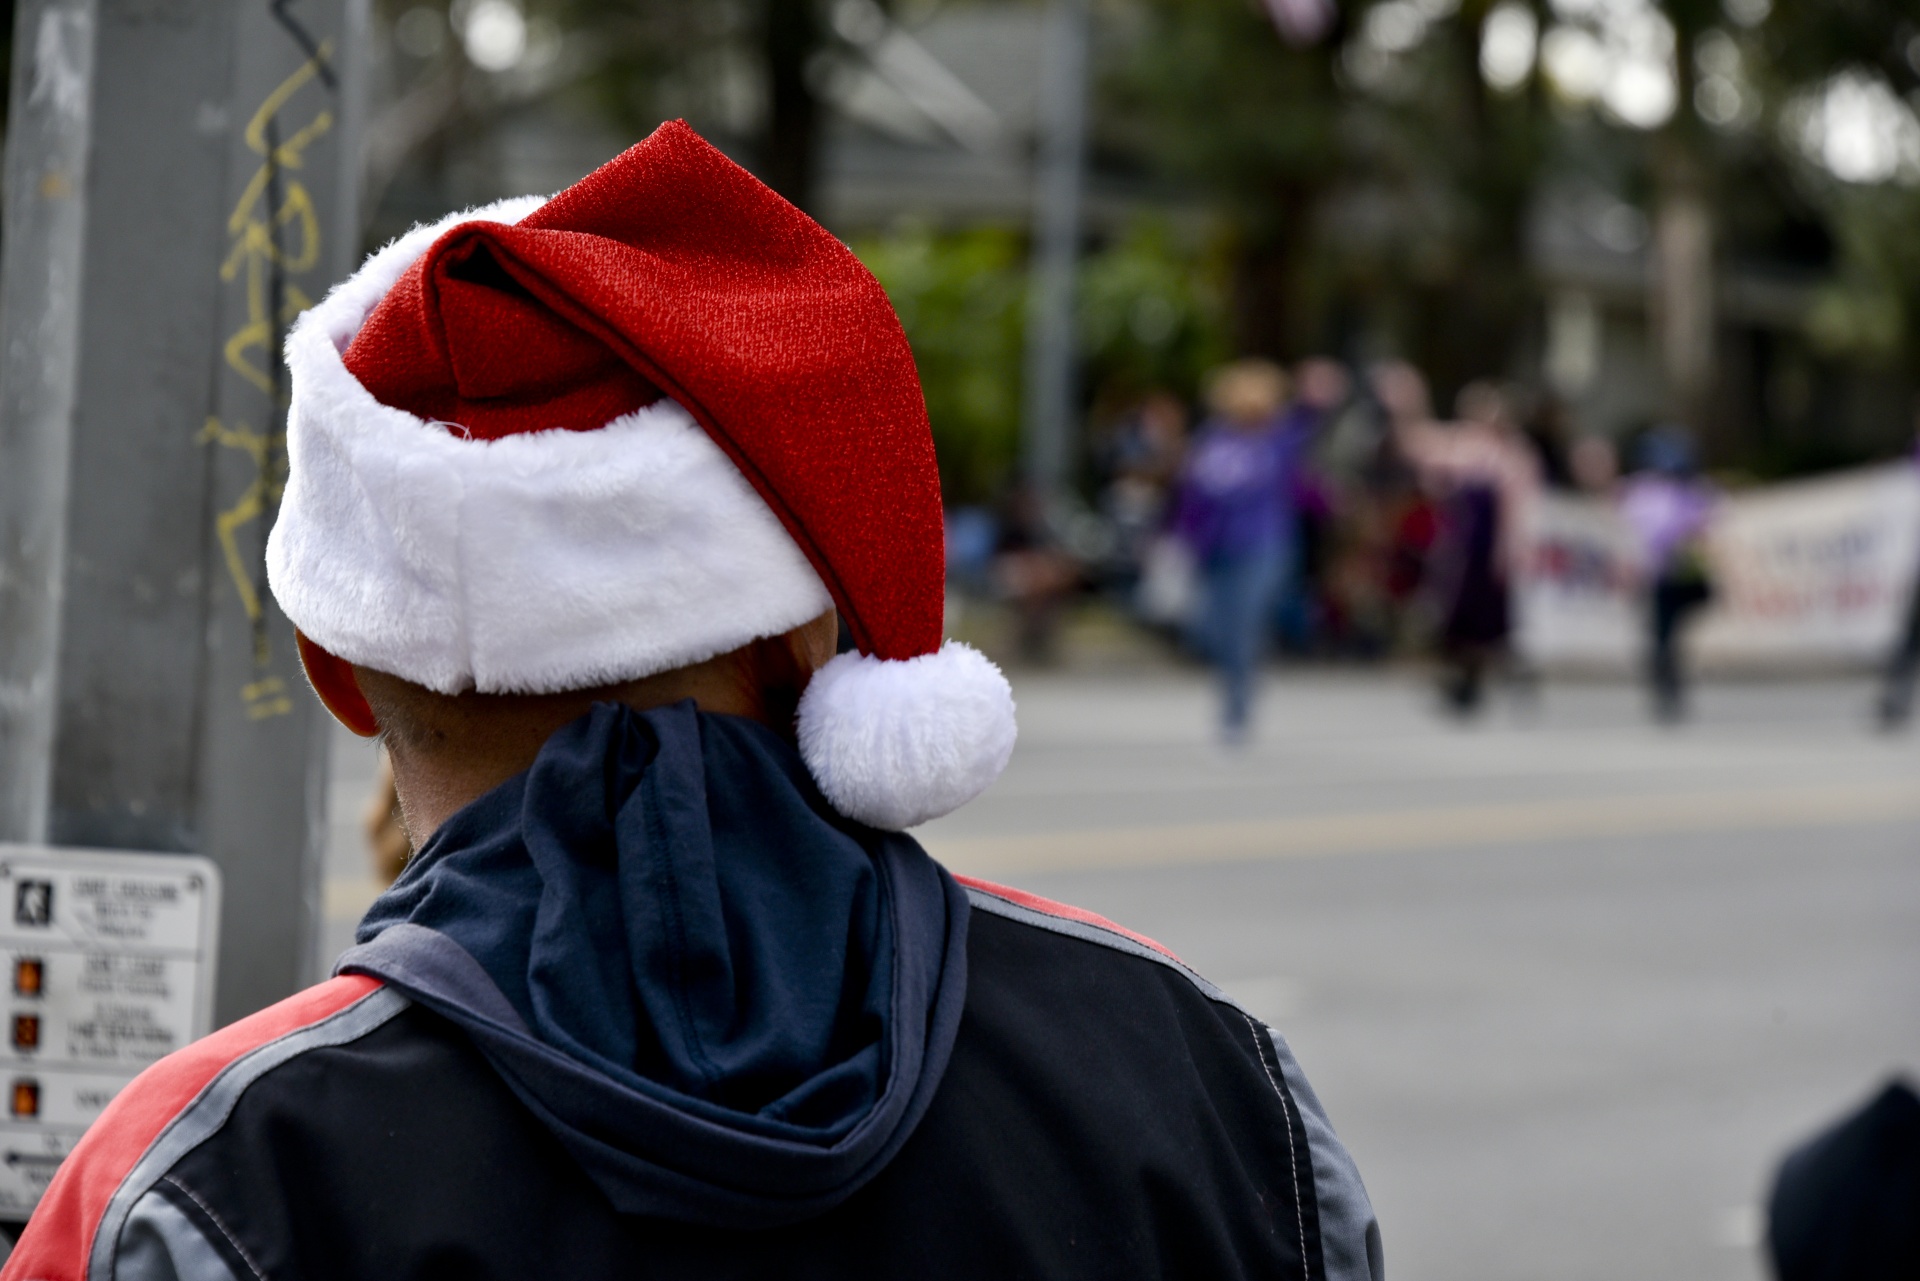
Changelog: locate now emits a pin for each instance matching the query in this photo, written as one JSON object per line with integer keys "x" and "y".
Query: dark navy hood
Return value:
{"x": 729, "y": 1003}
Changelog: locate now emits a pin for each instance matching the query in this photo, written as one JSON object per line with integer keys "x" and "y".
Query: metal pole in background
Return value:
{"x": 288, "y": 229}
{"x": 1058, "y": 181}
{"x": 214, "y": 203}
{"x": 39, "y": 336}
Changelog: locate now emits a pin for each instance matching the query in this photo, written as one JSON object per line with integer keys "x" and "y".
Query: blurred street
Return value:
{"x": 1568, "y": 983}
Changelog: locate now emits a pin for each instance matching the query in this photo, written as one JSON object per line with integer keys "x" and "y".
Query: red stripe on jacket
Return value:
{"x": 59, "y": 1238}
{"x": 1065, "y": 911}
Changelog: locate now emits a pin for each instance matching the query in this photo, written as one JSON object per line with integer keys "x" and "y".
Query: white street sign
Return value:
{"x": 109, "y": 960}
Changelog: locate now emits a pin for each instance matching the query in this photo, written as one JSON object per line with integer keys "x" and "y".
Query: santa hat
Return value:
{"x": 547, "y": 445}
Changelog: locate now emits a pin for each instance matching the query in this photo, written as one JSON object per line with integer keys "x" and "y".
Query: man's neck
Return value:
{"x": 450, "y": 750}
{"x": 439, "y": 773}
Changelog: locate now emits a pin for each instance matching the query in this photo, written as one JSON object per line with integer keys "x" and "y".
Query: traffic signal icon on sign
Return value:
{"x": 26, "y": 1031}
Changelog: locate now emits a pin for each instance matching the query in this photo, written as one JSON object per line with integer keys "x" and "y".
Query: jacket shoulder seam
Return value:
{"x": 218, "y": 1222}
{"x": 1293, "y": 1152}
{"x": 208, "y": 1111}
{"x": 1089, "y": 928}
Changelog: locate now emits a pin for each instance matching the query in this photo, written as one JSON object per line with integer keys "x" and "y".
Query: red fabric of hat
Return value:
{"x": 672, "y": 270}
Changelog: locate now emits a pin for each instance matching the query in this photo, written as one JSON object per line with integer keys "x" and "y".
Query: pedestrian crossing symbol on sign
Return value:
{"x": 33, "y": 903}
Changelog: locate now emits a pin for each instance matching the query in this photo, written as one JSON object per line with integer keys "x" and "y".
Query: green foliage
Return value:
{"x": 961, "y": 298}
{"x": 1802, "y": 41}
{"x": 1211, "y": 94}
{"x": 1865, "y": 313}
{"x": 1377, "y": 191}
{"x": 1152, "y": 314}
{"x": 1206, "y": 97}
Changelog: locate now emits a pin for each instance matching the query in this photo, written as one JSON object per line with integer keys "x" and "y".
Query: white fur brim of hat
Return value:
{"x": 563, "y": 560}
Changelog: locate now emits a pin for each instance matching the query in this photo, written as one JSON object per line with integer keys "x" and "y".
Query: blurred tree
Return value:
{"x": 1803, "y": 42}
{"x": 1840, "y": 82}
{"x": 790, "y": 139}
{"x": 738, "y": 69}
{"x": 1376, "y": 171}
{"x": 1153, "y": 315}
{"x": 1384, "y": 184}
{"x": 1458, "y": 164}
{"x": 961, "y": 298}
{"x": 1209, "y": 95}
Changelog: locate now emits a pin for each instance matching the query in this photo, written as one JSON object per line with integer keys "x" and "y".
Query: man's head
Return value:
{"x": 553, "y": 447}
{"x": 448, "y": 749}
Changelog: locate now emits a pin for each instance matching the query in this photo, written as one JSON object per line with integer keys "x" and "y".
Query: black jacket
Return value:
{"x": 653, "y": 1009}
{"x": 1105, "y": 1114}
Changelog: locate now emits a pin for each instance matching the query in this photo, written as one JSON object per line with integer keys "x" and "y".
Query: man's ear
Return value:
{"x": 333, "y": 680}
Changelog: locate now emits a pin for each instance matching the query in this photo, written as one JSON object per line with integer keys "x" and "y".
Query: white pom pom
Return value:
{"x": 895, "y": 743}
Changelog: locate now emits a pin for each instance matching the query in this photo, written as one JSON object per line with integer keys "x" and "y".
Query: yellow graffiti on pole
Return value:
{"x": 274, "y": 234}
{"x": 268, "y": 454}
{"x": 255, "y": 229}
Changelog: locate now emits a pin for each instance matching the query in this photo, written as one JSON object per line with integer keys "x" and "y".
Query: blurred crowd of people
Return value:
{"x": 1333, "y": 513}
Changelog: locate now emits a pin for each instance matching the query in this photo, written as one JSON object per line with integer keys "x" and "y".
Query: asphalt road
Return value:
{"x": 1568, "y": 983}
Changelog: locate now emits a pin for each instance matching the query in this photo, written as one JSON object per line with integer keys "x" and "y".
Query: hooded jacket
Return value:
{"x": 653, "y": 1009}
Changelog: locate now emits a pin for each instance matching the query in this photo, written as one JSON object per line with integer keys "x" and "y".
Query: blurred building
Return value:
{"x": 931, "y": 119}
{"x": 1596, "y": 346}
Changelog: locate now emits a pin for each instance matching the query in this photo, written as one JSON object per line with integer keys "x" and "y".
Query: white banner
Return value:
{"x": 1806, "y": 573}
{"x": 1575, "y": 603}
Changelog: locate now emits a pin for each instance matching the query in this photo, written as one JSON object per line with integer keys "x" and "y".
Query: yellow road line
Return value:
{"x": 1827, "y": 805}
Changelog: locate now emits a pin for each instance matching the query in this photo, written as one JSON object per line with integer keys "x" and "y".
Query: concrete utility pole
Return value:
{"x": 1058, "y": 182}
{"x": 180, "y": 183}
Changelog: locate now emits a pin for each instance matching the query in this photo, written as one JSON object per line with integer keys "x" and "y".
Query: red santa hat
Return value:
{"x": 547, "y": 445}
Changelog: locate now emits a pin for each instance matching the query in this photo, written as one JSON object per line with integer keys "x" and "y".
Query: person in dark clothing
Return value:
{"x": 1896, "y": 697}
{"x": 1896, "y": 694}
{"x": 1483, "y": 478}
{"x": 667, "y": 990}
{"x": 1846, "y": 1204}
{"x": 1477, "y": 616}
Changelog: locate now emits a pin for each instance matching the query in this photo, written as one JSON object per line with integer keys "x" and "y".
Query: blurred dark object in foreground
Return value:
{"x": 1846, "y": 1205}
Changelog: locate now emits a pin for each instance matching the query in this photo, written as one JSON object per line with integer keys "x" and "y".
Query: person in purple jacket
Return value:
{"x": 1667, "y": 506}
{"x": 1235, "y": 513}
